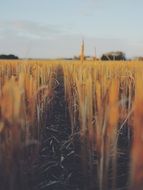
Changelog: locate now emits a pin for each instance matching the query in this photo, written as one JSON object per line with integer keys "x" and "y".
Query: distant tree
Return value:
{"x": 118, "y": 55}
{"x": 10, "y": 56}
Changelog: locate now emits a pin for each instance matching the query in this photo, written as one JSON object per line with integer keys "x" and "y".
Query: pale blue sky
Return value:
{"x": 54, "y": 28}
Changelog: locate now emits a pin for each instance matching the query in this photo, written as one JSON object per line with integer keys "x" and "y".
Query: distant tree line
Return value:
{"x": 10, "y": 56}
{"x": 138, "y": 58}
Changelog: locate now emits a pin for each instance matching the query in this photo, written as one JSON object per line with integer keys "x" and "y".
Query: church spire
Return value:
{"x": 82, "y": 51}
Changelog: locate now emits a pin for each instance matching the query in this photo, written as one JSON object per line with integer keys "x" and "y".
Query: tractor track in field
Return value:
{"x": 58, "y": 164}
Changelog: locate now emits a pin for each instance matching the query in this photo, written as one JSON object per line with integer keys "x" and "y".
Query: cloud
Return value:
{"x": 27, "y": 38}
{"x": 36, "y": 40}
{"x": 29, "y": 29}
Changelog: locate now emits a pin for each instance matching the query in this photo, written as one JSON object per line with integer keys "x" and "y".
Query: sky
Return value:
{"x": 55, "y": 28}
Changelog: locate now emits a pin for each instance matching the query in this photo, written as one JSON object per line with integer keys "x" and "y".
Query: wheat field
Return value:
{"x": 105, "y": 104}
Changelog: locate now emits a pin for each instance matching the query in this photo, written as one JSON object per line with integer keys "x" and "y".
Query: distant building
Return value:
{"x": 82, "y": 55}
{"x": 117, "y": 55}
